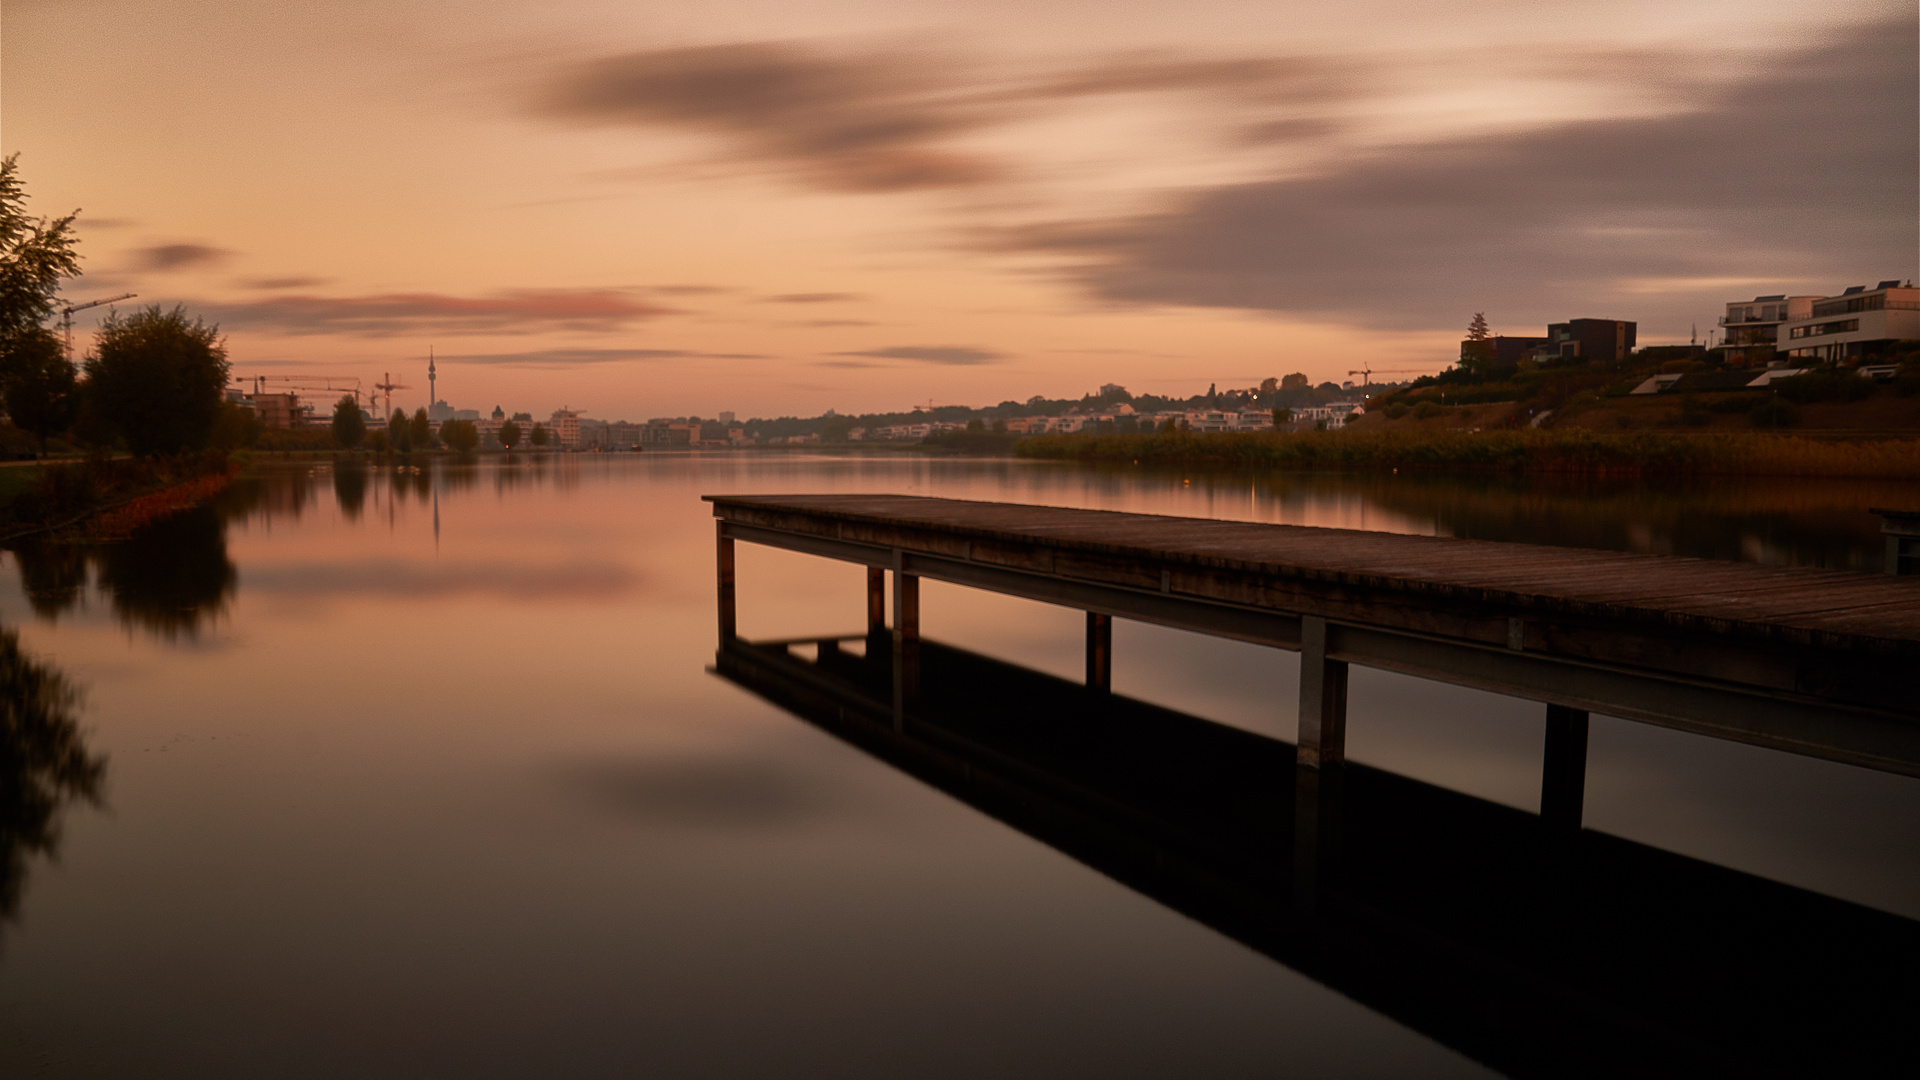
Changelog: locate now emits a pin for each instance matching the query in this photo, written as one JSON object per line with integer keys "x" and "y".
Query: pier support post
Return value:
{"x": 877, "y": 640}
{"x": 1099, "y": 653}
{"x": 1563, "y": 781}
{"x": 723, "y": 559}
{"x": 1320, "y": 750}
{"x": 1323, "y": 699}
{"x": 906, "y": 643}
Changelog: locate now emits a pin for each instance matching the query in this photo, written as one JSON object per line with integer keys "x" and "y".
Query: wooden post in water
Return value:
{"x": 724, "y": 563}
{"x": 1100, "y": 653}
{"x": 1563, "y": 780}
{"x": 877, "y": 641}
{"x": 1323, "y": 699}
{"x": 1320, "y": 750}
{"x": 906, "y": 643}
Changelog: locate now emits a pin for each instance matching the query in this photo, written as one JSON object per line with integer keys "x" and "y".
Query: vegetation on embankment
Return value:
{"x": 1512, "y": 451}
{"x": 130, "y": 491}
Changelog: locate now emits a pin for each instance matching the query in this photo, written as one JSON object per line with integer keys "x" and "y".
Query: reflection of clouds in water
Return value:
{"x": 739, "y": 792}
{"x": 394, "y": 577}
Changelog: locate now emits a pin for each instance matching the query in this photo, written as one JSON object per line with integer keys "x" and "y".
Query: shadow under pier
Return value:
{"x": 1538, "y": 950}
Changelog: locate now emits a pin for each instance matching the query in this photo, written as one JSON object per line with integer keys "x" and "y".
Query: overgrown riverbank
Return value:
{"x": 1520, "y": 451}
{"x": 117, "y": 494}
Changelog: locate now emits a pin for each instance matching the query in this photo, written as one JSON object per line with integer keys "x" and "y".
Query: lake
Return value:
{"x": 420, "y": 770}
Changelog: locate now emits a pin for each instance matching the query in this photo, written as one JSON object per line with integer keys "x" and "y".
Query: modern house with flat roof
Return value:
{"x": 1858, "y": 322}
{"x": 1753, "y": 327}
{"x": 1595, "y": 341}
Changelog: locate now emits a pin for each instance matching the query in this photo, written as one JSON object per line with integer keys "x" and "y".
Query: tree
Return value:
{"x": 460, "y": 436}
{"x": 38, "y": 383}
{"x": 1477, "y": 329}
{"x": 157, "y": 379}
{"x": 539, "y": 436}
{"x": 1282, "y": 415}
{"x": 349, "y": 426}
{"x": 421, "y": 429}
{"x": 509, "y": 435}
{"x": 1296, "y": 381}
{"x": 1268, "y": 386}
{"x": 34, "y": 255}
{"x": 400, "y": 433}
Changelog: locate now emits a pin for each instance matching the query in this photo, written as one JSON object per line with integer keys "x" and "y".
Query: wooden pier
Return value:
{"x": 1815, "y": 662}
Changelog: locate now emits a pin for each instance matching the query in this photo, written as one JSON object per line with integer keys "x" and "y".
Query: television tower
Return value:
{"x": 433, "y": 396}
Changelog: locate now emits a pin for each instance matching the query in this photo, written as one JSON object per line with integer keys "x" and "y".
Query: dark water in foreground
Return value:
{"x": 422, "y": 772}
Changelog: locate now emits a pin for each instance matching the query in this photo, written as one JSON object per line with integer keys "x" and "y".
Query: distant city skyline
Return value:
{"x": 645, "y": 210}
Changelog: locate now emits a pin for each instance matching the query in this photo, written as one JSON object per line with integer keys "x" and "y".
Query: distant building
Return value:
{"x": 278, "y": 410}
{"x": 1753, "y": 327}
{"x": 565, "y": 427}
{"x": 1859, "y": 322}
{"x": 1596, "y": 341}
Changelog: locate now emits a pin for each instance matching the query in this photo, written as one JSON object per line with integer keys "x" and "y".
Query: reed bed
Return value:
{"x": 1520, "y": 451}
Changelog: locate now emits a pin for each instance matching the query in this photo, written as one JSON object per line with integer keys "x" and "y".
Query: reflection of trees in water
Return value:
{"x": 1802, "y": 522}
{"x": 44, "y": 764}
{"x": 350, "y": 487}
{"x": 459, "y": 474}
{"x": 170, "y": 577}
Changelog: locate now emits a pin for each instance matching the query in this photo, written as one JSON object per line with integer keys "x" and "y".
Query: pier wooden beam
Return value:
{"x": 1563, "y": 780}
{"x": 1099, "y": 652}
{"x": 1323, "y": 700}
{"x": 906, "y": 642}
{"x": 723, "y": 562}
{"x": 878, "y": 643}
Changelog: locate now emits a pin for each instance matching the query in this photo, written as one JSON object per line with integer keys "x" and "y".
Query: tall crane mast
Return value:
{"x": 66, "y": 317}
{"x": 388, "y": 386}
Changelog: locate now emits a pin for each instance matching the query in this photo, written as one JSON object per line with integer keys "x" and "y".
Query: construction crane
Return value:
{"x": 388, "y": 387}
{"x": 1367, "y": 373}
{"x": 66, "y": 316}
{"x": 330, "y": 384}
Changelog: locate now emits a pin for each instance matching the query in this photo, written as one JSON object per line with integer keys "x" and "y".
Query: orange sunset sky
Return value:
{"x": 643, "y": 209}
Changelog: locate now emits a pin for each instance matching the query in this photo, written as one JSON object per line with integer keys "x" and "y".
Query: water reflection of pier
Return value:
{"x": 1539, "y": 951}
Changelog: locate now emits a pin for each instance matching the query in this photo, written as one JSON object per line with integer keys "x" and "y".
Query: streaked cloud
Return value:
{"x": 580, "y": 357}
{"x": 161, "y": 258}
{"x": 815, "y": 298}
{"x": 385, "y": 314}
{"x": 1805, "y": 173}
{"x": 930, "y": 354}
{"x": 282, "y": 283}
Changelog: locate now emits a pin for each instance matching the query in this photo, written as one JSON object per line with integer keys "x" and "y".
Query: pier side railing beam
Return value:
{"x": 1099, "y": 653}
{"x": 906, "y": 642}
{"x": 1563, "y": 780}
{"x": 723, "y": 560}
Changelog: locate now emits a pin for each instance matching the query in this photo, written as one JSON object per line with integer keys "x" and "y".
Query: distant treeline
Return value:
{"x": 1519, "y": 451}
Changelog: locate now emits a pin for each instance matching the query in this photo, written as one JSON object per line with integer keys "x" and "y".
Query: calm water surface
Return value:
{"x": 419, "y": 772}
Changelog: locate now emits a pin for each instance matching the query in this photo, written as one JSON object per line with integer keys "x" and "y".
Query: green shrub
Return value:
{"x": 1774, "y": 413}
{"x": 1426, "y": 410}
{"x": 1399, "y": 409}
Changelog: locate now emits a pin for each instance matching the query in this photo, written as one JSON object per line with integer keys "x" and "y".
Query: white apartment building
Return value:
{"x": 1839, "y": 327}
{"x": 1753, "y": 327}
{"x": 565, "y": 427}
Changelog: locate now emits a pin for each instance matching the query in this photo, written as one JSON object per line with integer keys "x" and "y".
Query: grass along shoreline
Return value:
{"x": 1516, "y": 451}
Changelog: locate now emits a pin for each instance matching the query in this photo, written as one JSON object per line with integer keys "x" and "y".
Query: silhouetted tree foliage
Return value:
{"x": 350, "y": 486}
{"x": 158, "y": 379}
{"x": 400, "y": 433}
{"x": 237, "y": 426}
{"x": 539, "y": 436}
{"x": 38, "y": 382}
{"x": 35, "y": 254}
{"x": 509, "y": 435}
{"x": 1477, "y": 330}
{"x": 349, "y": 425}
{"x": 44, "y": 763}
{"x": 420, "y": 429}
{"x": 460, "y": 436}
